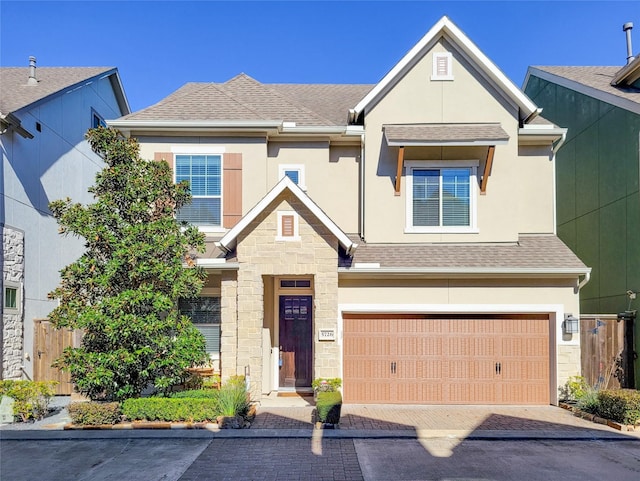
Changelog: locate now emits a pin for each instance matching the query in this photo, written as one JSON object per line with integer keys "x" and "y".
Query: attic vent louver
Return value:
{"x": 32, "y": 72}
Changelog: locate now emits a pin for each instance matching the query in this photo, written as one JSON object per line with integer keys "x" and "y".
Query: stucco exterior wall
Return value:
{"x": 12, "y": 320}
{"x": 55, "y": 164}
{"x": 467, "y": 98}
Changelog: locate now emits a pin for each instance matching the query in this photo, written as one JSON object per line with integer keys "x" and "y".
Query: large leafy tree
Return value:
{"x": 123, "y": 292}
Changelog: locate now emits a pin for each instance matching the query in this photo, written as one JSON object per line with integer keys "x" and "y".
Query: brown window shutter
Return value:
{"x": 287, "y": 226}
{"x": 168, "y": 156}
{"x": 232, "y": 190}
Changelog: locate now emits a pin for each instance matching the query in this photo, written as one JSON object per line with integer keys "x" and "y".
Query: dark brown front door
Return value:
{"x": 295, "y": 341}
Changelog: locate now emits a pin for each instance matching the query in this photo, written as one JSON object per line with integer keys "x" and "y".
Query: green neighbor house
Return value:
{"x": 597, "y": 177}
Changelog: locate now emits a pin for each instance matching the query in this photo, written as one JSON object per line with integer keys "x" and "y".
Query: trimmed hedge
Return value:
{"x": 196, "y": 394}
{"x": 31, "y": 397}
{"x": 170, "y": 409}
{"x": 621, "y": 405}
{"x": 328, "y": 407}
{"x": 94, "y": 413}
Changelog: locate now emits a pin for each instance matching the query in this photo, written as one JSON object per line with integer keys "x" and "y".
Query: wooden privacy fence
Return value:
{"x": 48, "y": 345}
{"x": 602, "y": 345}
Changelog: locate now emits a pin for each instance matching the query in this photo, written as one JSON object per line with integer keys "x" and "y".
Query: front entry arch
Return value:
{"x": 296, "y": 341}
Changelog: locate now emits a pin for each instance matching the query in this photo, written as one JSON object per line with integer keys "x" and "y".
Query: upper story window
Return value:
{"x": 204, "y": 174}
{"x": 295, "y": 172}
{"x": 442, "y": 66}
{"x": 441, "y": 199}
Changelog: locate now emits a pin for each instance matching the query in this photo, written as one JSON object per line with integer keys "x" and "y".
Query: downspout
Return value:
{"x": 362, "y": 171}
{"x": 557, "y": 146}
{"x": 583, "y": 282}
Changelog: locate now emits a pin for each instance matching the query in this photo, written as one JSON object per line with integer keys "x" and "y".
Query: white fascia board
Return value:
{"x": 167, "y": 125}
{"x": 228, "y": 241}
{"x": 213, "y": 264}
{"x": 535, "y": 134}
{"x": 463, "y": 271}
{"x": 607, "y": 97}
{"x": 314, "y": 130}
{"x": 447, "y": 308}
{"x": 446, "y": 27}
{"x": 441, "y": 143}
{"x": 121, "y": 96}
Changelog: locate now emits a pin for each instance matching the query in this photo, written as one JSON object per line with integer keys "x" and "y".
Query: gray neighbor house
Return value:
{"x": 44, "y": 114}
{"x": 597, "y": 178}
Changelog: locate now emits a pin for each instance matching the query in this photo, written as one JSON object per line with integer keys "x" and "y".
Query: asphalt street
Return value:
{"x": 316, "y": 458}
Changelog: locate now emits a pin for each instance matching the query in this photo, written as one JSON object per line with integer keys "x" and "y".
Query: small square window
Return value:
{"x": 97, "y": 120}
{"x": 11, "y": 298}
{"x": 295, "y": 172}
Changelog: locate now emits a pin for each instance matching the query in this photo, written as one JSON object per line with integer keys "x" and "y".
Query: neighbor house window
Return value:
{"x": 204, "y": 174}
{"x": 294, "y": 172}
{"x": 204, "y": 313}
{"x": 442, "y": 66}
{"x": 97, "y": 120}
{"x": 441, "y": 199}
{"x": 11, "y": 298}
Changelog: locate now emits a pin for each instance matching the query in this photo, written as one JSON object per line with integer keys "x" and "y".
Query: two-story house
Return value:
{"x": 44, "y": 114}
{"x": 400, "y": 236}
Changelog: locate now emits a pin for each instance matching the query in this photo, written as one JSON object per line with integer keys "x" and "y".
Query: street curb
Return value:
{"x": 479, "y": 435}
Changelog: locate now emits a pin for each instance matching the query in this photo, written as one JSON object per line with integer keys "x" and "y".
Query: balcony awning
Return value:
{"x": 422, "y": 135}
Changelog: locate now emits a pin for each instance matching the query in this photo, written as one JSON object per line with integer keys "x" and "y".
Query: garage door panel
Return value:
{"x": 495, "y": 360}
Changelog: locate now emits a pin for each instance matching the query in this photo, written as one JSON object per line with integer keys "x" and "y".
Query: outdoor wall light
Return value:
{"x": 571, "y": 324}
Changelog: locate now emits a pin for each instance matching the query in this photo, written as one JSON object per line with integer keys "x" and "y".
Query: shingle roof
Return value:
{"x": 445, "y": 133}
{"x": 595, "y": 77}
{"x": 244, "y": 98}
{"x": 530, "y": 252}
{"x": 16, "y": 94}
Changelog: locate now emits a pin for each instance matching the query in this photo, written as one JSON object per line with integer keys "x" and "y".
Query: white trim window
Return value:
{"x": 295, "y": 172}
{"x": 204, "y": 174}
{"x": 11, "y": 298}
{"x": 288, "y": 225}
{"x": 441, "y": 196}
{"x": 442, "y": 66}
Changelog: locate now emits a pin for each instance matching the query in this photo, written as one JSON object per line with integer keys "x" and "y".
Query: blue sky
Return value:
{"x": 159, "y": 46}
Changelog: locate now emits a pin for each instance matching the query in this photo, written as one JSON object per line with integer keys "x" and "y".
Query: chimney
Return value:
{"x": 32, "y": 72}
{"x": 627, "y": 28}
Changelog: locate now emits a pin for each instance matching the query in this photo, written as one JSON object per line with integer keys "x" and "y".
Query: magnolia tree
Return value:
{"x": 123, "y": 292}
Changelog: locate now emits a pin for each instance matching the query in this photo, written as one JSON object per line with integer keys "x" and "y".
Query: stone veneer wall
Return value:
{"x": 568, "y": 363}
{"x": 12, "y": 323}
{"x": 259, "y": 254}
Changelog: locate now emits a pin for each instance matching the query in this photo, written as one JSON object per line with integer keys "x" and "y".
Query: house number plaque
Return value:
{"x": 327, "y": 334}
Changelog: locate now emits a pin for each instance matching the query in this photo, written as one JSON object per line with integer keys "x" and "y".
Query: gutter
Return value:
{"x": 583, "y": 282}
{"x": 469, "y": 271}
{"x": 557, "y": 146}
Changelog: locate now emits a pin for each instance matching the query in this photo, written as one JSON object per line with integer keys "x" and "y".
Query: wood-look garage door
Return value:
{"x": 448, "y": 360}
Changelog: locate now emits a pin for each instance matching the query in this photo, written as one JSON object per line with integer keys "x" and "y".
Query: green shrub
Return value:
{"x": 31, "y": 397}
{"x": 170, "y": 409}
{"x": 328, "y": 407}
{"x": 575, "y": 388}
{"x": 621, "y": 405}
{"x": 326, "y": 384}
{"x": 196, "y": 394}
{"x": 233, "y": 398}
{"x": 94, "y": 413}
{"x": 588, "y": 402}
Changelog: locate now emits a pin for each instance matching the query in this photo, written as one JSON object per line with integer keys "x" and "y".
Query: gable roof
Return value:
{"x": 445, "y": 28}
{"x": 592, "y": 81}
{"x": 243, "y": 98}
{"x": 15, "y": 94}
{"x": 228, "y": 241}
